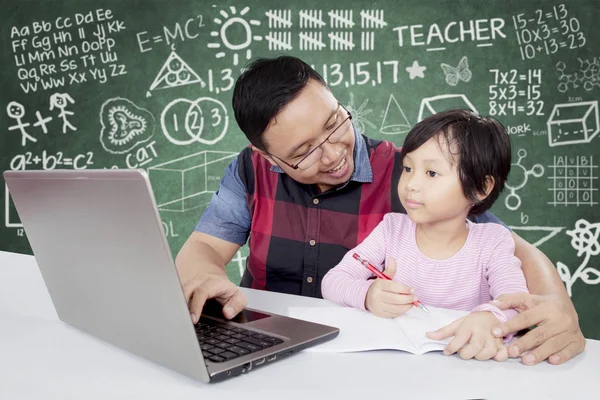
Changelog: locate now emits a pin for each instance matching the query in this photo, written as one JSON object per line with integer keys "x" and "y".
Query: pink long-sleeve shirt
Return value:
{"x": 482, "y": 270}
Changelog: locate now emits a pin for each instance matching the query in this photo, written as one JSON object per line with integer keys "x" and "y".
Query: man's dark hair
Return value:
{"x": 265, "y": 87}
{"x": 481, "y": 144}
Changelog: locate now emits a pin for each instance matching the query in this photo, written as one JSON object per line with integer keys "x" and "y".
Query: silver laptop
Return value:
{"x": 99, "y": 243}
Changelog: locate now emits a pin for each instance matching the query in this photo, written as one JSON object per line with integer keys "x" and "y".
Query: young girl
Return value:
{"x": 454, "y": 166}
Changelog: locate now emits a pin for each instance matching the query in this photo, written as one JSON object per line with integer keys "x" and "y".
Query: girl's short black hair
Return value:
{"x": 481, "y": 144}
{"x": 265, "y": 87}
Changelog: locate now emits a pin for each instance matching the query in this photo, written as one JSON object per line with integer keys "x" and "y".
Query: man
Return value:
{"x": 311, "y": 187}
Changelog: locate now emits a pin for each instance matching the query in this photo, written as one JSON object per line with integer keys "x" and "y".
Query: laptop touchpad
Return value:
{"x": 214, "y": 309}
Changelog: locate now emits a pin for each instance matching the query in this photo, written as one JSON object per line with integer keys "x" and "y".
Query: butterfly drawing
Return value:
{"x": 460, "y": 73}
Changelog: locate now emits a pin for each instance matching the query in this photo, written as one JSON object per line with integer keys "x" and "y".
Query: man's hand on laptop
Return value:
{"x": 213, "y": 286}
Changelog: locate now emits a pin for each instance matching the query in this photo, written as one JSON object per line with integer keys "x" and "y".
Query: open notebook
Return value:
{"x": 362, "y": 331}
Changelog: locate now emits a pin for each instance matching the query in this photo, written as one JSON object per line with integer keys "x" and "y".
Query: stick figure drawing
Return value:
{"x": 60, "y": 101}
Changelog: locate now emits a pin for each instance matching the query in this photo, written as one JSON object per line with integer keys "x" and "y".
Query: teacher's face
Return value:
{"x": 294, "y": 135}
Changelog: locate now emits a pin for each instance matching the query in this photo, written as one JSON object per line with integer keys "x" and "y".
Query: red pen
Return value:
{"x": 381, "y": 275}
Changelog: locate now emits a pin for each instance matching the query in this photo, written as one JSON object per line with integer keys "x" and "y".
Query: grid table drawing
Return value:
{"x": 574, "y": 181}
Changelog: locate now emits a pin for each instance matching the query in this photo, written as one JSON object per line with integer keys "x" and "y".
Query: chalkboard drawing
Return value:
{"x": 311, "y": 41}
{"x": 341, "y": 18}
{"x": 588, "y": 75}
{"x": 341, "y": 40}
{"x": 235, "y": 25}
{"x": 518, "y": 179}
{"x": 279, "y": 19}
{"x": 566, "y": 79}
{"x": 394, "y": 121}
{"x": 584, "y": 239}
{"x": 188, "y": 182}
{"x": 415, "y": 70}
{"x": 532, "y": 233}
{"x": 124, "y": 125}
{"x": 16, "y": 111}
{"x": 460, "y": 73}
{"x": 372, "y": 19}
{"x": 61, "y": 101}
{"x": 203, "y": 121}
{"x": 41, "y": 121}
{"x": 573, "y": 180}
{"x": 312, "y": 19}
{"x": 431, "y": 105}
{"x": 367, "y": 41}
{"x": 239, "y": 262}
{"x": 359, "y": 114}
{"x": 279, "y": 40}
{"x": 174, "y": 72}
{"x": 573, "y": 123}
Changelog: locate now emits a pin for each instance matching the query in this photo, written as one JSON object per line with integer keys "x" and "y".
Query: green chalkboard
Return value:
{"x": 122, "y": 84}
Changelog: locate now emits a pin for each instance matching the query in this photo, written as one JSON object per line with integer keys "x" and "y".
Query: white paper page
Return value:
{"x": 359, "y": 330}
{"x": 415, "y": 323}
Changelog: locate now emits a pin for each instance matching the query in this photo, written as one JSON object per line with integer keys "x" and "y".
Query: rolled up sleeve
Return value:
{"x": 227, "y": 216}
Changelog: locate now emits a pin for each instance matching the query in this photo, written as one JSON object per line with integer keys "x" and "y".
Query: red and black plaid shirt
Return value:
{"x": 298, "y": 234}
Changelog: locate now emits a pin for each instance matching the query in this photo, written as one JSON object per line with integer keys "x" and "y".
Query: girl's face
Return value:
{"x": 429, "y": 186}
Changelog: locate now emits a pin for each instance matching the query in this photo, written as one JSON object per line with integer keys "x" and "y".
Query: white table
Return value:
{"x": 43, "y": 358}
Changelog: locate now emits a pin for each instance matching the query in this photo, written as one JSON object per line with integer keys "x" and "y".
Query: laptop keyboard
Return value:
{"x": 221, "y": 343}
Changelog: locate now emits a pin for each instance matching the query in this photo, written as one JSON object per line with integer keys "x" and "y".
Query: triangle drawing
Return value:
{"x": 394, "y": 121}
{"x": 435, "y": 104}
{"x": 536, "y": 235}
{"x": 175, "y": 72}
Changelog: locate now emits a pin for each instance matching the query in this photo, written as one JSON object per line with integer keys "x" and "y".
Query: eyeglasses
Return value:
{"x": 314, "y": 156}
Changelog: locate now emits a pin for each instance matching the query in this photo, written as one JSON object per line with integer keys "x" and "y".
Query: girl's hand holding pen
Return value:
{"x": 388, "y": 299}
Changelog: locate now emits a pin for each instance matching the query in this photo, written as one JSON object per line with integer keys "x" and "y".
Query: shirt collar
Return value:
{"x": 362, "y": 165}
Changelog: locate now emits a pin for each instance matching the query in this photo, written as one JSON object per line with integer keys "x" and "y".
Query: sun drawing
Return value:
{"x": 235, "y": 33}
{"x": 359, "y": 114}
